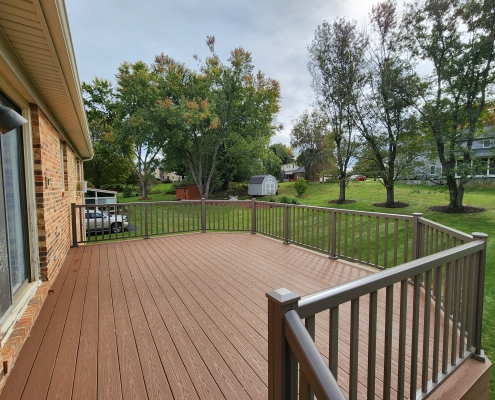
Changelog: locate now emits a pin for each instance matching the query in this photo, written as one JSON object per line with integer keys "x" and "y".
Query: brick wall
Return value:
{"x": 54, "y": 192}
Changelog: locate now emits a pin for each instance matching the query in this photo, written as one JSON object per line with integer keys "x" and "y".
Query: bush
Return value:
{"x": 284, "y": 198}
{"x": 301, "y": 186}
{"x": 127, "y": 191}
{"x": 237, "y": 189}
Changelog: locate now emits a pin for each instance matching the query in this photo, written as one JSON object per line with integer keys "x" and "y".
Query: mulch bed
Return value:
{"x": 342, "y": 202}
{"x": 464, "y": 210}
{"x": 397, "y": 204}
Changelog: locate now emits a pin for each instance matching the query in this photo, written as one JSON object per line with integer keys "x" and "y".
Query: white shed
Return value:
{"x": 262, "y": 185}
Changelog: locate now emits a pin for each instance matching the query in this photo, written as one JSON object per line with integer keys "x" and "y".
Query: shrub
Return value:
{"x": 301, "y": 186}
{"x": 127, "y": 191}
{"x": 237, "y": 189}
{"x": 284, "y": 198}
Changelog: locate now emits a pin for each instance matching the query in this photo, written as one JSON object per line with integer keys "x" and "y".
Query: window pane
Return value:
{"x": 15, "y": 206}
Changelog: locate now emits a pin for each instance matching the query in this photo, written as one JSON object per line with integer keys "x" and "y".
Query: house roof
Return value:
{"x": 256, "y": 179}
{"x": 38, "y": 62}
{"x": 295, "y": 171}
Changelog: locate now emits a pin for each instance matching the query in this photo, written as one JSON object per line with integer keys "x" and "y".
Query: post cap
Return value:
{"x": 479, "y": 235}
{"x": 283, "y": 296}
{"x": 417, "y": 214}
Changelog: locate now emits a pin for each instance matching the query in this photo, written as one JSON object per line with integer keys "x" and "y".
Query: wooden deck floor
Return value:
{"x": 172, "y": 317}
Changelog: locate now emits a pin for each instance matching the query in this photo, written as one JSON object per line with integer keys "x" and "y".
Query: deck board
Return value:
{"x": 183, "y": 317}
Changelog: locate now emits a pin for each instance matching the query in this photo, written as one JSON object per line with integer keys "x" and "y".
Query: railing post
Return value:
{"x": 287, "y": 225}
{"x": 479, "y": 353}
{"x": 253, "y": 216}
{"x": 417, "y": 236}
{"x": 203, "y": 215}
{"x": 146, "y": 234}
{"x": 74, "y": 225}
{"x": 282, "y": 365}
{"x": 333, "y": 250}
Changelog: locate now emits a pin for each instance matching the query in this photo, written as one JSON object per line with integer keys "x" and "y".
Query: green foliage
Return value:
{"x": 284, "y": 198}
{"x": 456, "y": 39}
{"x": 223, "y": 117}
{"x": 128, "y": 191}
{"x": 301, "y": 185}
{"x": 108, "y": 168}
{"x": 237, "y": 189}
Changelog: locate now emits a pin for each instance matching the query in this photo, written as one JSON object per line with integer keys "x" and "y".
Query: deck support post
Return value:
{"x": 203, "y": 215}
{"x": 253, "y": 216}
{"x": 479, "y": 354}
{"x": 74, "y": 225}
{"x": 287, "y": 225}
{"x": 282, "y": 364}
{"x": 417, "y": 236}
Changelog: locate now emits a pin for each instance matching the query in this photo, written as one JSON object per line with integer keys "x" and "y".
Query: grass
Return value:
{"x": 419, "y": 198}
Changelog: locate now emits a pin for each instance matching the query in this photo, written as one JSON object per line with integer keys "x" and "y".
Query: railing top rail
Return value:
{"x": 346, "y": 211}
{"x": 452, "y": 232}
{"x": 160, "y": 202}
{"x": 332, "y": 297}
{"x": 316, "y": 371}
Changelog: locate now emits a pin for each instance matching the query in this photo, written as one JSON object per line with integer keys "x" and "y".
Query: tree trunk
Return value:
{"x": 342, "y": 190}
{"x": 390, "y": 195}
{"x": 455, "y": 194}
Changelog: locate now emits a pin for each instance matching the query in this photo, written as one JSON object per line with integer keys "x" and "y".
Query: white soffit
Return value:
{"x": 38, "y": 34}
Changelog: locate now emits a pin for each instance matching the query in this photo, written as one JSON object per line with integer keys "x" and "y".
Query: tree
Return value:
{"x": 107, "y": 167}
{"x": 336, "y": 58}
{"x": 308, "y": 136}
{"x": 223, "y": 111}
{"x": 384, "y": 111}
{"x": 276, "y": 155}
{"x": 457, "y": 38}
{"x": 138, "y": 133}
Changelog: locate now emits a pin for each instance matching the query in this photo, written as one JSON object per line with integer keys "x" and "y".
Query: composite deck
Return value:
{"x": 176, "y": 317}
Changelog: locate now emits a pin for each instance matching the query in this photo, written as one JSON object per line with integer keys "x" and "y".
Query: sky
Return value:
{"x": 107, "y": 32}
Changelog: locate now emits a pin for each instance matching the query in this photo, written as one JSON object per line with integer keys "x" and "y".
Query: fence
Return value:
{"x": 438, "y": 303}
{"x": 380, "y": 240}
{"x": 433, "y": 299}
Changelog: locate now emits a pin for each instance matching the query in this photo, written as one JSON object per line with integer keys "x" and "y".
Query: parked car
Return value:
{"x": 359, "y": 178}
{"x": 102, "y": 221}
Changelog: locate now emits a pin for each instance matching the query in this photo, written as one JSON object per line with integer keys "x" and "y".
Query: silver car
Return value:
{"x": 102, "y": 221}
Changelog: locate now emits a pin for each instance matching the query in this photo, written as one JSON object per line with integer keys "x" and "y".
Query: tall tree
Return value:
{"x": 108, "y": 166}
{"x": 308, "y": 136}
{"x": 384, "y": 113}
{"x": 221, "y": 110}
{"x": 457, "y": 37}
{"x": 336, "y": 58}
{"x": 137, "y": 129}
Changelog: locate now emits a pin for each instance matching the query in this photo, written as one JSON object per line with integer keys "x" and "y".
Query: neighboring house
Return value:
{"x": 292, "y": 172}
{"x": 41, "y": 161}
{"x": 483, "y": 153}
{"x": 166, "y": 176}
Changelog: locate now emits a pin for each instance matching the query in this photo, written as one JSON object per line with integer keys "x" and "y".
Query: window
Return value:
{"x": 488, "y": 143}
{"x": 491, "y": 166}
{"x": 14, "y": 260}
{"x": 432, "y": 170}
{"x": 481, "y": 166}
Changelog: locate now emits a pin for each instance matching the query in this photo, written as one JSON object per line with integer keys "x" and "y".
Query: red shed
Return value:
{"x": 187, "y": 192}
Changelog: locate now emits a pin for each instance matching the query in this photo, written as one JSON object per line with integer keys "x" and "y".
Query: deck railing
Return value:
{"x": 438, "y": 270}
{"x": 442, "y": 328}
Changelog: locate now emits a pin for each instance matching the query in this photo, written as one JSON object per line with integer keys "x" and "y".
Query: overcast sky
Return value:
{"x": 107, "y": 32}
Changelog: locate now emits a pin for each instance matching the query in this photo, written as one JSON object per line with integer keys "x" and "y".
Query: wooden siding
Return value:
{"x": 174, "y": 317}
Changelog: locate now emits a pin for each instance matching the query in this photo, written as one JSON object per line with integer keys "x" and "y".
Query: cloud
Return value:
{"x": 106, "y": 33}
